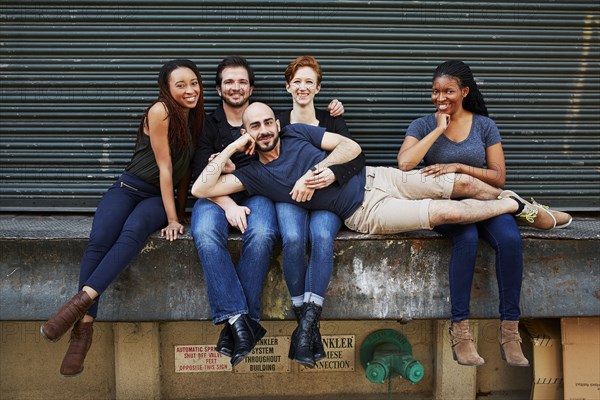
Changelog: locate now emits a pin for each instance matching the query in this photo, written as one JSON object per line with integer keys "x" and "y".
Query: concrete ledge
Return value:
{"x": 398, "y": 277}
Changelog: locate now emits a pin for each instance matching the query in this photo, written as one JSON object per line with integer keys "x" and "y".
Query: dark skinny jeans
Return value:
{"x": 128, "y": 213}
{"x": 502, "y": 233}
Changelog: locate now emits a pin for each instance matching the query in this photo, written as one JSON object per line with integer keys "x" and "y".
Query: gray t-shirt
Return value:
{"x": 470, "y": 151}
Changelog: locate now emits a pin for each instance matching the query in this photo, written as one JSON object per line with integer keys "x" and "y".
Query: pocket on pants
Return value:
{"x": 128, "y": 186}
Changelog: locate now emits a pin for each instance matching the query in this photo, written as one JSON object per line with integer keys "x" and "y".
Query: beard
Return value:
{"x": 267, "y": 147}
{"x": 238, "y": 103}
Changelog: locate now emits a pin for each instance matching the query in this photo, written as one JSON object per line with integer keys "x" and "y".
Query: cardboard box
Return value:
{"x": 581, "y": 358}
{"x": 547, "y": 391}
{"x": 547, "y": 359}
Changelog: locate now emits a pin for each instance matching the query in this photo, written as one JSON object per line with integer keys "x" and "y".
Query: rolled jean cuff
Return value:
{"x": 225, "y": 317}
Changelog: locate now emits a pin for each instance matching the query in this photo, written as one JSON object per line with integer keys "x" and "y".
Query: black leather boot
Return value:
{"x": 298, "y": 311}
{"x": 304, "y": 353}
{"x": 225, "y": 342}
{"x": 259, "y": 330}
{"x": 244, "y": 339}
{"x": 319, "y": 351}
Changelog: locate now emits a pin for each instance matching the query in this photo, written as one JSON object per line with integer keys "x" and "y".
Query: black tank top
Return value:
{"x": 143, "y": 163}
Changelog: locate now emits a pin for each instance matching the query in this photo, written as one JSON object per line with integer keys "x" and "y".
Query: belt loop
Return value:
{"x": 369, "y": 182}
{"x": 370, "y": 172}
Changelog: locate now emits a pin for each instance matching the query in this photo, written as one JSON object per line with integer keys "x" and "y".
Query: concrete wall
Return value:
{"x": 137, "y": 361}
{"x": 29, "y": 365}
{"x": 377, "y": 280}
{"x": 375, "y": 277}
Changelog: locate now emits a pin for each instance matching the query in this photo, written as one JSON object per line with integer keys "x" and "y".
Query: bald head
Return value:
{"x": 260, "y": 123}
{"x": 257, "y": 112}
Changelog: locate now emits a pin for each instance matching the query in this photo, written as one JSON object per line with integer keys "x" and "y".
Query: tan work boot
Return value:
{"x": 510, "y": 344}
{"x": 463, "y": 346}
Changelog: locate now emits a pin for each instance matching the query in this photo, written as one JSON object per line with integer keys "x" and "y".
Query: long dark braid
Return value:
{"x": 178, "y": 123}
{"x": 461, "y": 72}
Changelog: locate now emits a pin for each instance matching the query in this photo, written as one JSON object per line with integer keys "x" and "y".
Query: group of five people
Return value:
{"x": 298, "y": 176}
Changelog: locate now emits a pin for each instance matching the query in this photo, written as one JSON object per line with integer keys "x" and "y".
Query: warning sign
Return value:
{"x": 200, "y": 358}
{"x": 340, "y": 354}
{"x": 269, "y": 355}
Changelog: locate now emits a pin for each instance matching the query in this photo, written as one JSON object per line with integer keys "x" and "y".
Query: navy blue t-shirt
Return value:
{"x": 300, "y": 150}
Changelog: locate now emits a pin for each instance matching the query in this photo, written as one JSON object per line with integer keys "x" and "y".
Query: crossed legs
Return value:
{"x": 397, "y": 201}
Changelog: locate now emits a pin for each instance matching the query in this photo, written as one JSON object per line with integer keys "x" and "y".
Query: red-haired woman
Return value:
{"x": 307, "y": 282}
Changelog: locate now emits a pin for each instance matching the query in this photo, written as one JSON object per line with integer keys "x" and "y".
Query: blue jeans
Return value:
{"x": 503, "y": 235}
{"x": 128, "y": 213}
{"x": 299, "y": 226}
{"x": 231, "y": 290}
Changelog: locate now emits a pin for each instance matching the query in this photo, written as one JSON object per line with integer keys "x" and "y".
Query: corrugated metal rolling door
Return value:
{"x": 76, "y": 77}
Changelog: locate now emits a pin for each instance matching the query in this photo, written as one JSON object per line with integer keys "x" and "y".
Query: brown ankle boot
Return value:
{"x": 81, "y": 340}
{"x": 463, "y": 346}
{"x": 510, "y": 344}
{"x": 68, "y": 314}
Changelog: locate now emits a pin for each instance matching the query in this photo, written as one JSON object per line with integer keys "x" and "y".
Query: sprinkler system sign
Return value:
{"x": 340, "y": 354}
{"x": 269, "y": 355}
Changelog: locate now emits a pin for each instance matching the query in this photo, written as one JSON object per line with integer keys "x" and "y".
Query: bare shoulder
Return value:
{"x": 158, "y": 110}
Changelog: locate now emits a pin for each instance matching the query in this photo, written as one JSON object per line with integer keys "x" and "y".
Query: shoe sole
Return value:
{"x": 72, "y": 376}
{"x": 510, "y": 193}
{"x": 470, "y": 365}
{"x": 307, "y": 364}
{"x": 557, "y": 226}
{"x": 292, "y": 354}
{"x": 564, "y": 225}
{"x": 463, "y": 364}
{"x": 238, "y": 360}
{"x": 503, "y": 355}
{"x": 517, "y": 365}
{"x": 226, "y": 352}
